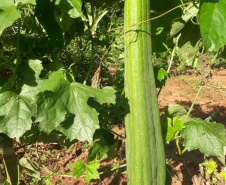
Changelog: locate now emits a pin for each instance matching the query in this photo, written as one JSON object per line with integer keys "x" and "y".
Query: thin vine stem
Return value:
{"x": 178, "y": 147}
{"x": 17, "y": 53}
{"x": 193, "y": 103}
{"x": 71, "y": 175}
{"x": 172, "y": 54}
{"x": 18, "y": 178}
{"x": 46, "y": 169}
{"x": 121, "y": 27}
{"x": 58, "y": 156}
{"x": 92, "y": 48}
{"x": 113, "y": 132}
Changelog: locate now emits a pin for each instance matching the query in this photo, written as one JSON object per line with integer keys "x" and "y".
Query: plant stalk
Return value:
{"x": 196, "y": 97}
{"x": 10, "y": 160}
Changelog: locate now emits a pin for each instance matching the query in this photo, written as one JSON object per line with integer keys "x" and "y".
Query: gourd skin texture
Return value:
{"x": 144, "y": 145}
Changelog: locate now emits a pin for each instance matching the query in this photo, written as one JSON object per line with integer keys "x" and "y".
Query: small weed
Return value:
{"x": 3, "y": 177}
{"x": 85, "y": 146}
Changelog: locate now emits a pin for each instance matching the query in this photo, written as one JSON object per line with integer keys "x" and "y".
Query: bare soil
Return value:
{"x": 181, "y": 90}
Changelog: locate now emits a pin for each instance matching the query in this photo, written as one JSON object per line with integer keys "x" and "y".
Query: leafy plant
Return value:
{"x": 196, "y": 133}
{"x": 211, "y": 166}
{"x": 91, "y": 170}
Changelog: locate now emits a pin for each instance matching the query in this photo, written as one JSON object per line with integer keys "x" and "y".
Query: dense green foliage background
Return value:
{"x": 51, "y": 49}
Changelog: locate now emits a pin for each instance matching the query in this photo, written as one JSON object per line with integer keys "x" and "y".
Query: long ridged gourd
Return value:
{"x": 144, "y": 145}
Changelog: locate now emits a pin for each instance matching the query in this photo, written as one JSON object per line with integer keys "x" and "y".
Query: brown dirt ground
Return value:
{"x": 178, "y": 89}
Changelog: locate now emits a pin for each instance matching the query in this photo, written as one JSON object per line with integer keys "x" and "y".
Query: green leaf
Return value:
{"x": 160, "y": 76}
{"x": 177, "y": 124}
{"x": 175, "y": 110}
{"x": 211, "y": 166}
{"x": 31, "y": 135}
{"x": 8, "y": 14}
{"x": 158, "y": 8}
{"x": 47, "y": 181}
{"x": 191, "y": 11}
{"x": 223, "y": 174}
{"x": 16, "y": 112}
{"x": 80, "y": 167}
{"x": 60, "y": 96}
{"x": 33, "y": 170}
{"x": 171, "y": 128}
{"x": 56, "y": 64}
{"x": 177, "y": 26}
{"x": 212, "y": 18}
{"x": 159, "y": 30}
{"x": 105, "y": 145}
{"x": 64, "y": 19}
{"x": 76, "y": 11}
{"x": 91, "y": 171}
{"x": 179, "y": 23}
{"x": 50, "y": 108}
{"x": 16, "y": 116}
{"x": 28, "y": 78}
{"x": 28, "y": 72}
{"x": 6, "y": 101}
{"x": 113, "y": 149}
{"x": 97, "y": 150}
{"x": 50, "y": 111}
{"x": 166, "y": 123}
{"x": 45, "y": 12}
{"x": 209, "y": 138}
{"x": 189, "y": 44}
{"x": 86, "y": 118}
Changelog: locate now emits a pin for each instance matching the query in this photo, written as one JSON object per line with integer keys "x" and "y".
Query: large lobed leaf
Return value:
{"x": 17, "y": 110}
{"x": 59, "y": 96}
{"x": 212, "y": 18}
{"x": 8, "y": 14}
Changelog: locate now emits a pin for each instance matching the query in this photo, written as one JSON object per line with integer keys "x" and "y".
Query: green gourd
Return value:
{"x": 144, "y": 145}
